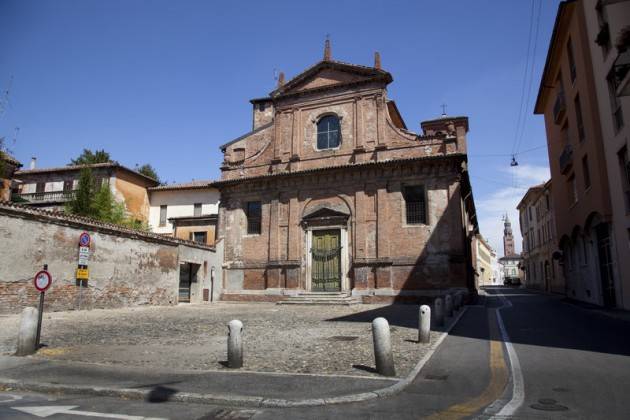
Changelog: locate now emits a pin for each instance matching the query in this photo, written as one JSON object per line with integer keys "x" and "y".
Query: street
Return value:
{"x": 574, "y": 363}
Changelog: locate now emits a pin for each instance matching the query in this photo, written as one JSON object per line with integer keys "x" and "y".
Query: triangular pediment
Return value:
{"x": 328, "y": 74}
{"x": 324, "y": 213}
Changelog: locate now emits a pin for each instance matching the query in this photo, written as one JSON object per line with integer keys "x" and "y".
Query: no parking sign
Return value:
{"x": 84, "y": 239}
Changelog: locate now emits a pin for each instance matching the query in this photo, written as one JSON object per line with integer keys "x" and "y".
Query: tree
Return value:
{"x": 148, "y": 170}
{"x": 88, "y": 157}
{"x": 81, "y": 203}
{"x": 98, "y": 203}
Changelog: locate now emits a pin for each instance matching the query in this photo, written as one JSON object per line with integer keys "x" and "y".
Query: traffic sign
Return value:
{"x": 83, "y": 274}
{"x": 84, "y": 255}
{"x": 84, "y": 239}
{"x": 42, "y": 280}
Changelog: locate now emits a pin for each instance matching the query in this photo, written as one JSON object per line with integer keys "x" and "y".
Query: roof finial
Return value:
{"x": 327, "y": 53}
{"x": 377, "y": 60}
{"x": 443, "y": 110}
{"x": 281, "y": 79}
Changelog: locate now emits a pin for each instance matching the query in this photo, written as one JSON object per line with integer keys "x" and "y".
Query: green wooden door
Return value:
{"x": 326, "y": 267}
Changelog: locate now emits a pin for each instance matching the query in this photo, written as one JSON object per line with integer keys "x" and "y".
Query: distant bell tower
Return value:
{"x": 508, "y": 239}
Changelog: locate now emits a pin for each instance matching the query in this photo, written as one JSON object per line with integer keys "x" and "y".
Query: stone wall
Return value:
{"x": 126, "y": 267}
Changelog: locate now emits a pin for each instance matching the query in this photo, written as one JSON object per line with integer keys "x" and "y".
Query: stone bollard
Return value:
{"x": 235, "y": 344}
{"x": 424, "y": 327}
{"x": 383, "y": 347}
{"x": 27, "y": 335}
{"x": 448, "y": 305}
{"x": 439, "y": 312}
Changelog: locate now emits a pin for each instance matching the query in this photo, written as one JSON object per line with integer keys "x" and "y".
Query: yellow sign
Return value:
{"x": 83, "y": 273}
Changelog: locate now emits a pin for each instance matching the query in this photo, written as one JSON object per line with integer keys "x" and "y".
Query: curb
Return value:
{"x": 230, "y": 399}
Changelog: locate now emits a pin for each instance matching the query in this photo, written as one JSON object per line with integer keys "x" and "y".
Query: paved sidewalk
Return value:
{"x": 242, "y": 388}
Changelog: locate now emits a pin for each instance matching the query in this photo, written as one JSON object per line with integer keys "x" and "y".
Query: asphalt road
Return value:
{"x": 574, "y": 363}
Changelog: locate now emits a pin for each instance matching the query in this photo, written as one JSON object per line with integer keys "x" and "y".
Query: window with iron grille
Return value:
{"x": 197, "y": 210}
{"x": 415, "y": 204}
{"x": 328, "y": 132}
{"x": 254, "y": 216}
{"x": 199, "y": 237}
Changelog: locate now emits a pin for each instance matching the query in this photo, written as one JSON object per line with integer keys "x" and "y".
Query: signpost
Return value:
{"x": 83, "y": 273}
{"x": 42, "y": 282}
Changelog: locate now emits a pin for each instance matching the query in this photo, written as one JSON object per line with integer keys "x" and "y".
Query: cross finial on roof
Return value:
{"x": 443, "y": 110}
{"x": 327, "y": 53}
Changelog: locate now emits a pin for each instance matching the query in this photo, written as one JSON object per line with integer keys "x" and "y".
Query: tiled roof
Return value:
{"x": 87, "y": 222}
{"x": 70, "y": 168}
{"x": 193, "y": 185}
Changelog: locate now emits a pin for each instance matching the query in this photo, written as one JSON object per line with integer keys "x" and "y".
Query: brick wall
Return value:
{"x": 126, "y": 268}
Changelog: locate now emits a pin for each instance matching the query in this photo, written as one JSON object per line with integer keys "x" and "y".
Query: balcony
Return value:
{"x": 559, "y": 107}
{"x": 43, "y": 197}
{"x": 566, "y": 158}
{"x": 621, "y": 69}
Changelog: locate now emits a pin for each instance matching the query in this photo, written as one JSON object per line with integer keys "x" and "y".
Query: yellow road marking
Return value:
{"x": 498, "y": 379}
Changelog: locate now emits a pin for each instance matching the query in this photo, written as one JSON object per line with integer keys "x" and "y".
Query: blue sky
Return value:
{"x": 166, "y": 82}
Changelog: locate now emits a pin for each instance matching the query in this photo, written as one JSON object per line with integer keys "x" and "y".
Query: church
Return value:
{"x": 330, "y": 194}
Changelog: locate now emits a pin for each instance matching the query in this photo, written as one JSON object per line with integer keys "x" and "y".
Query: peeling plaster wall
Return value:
{"x": 124, "y": 270}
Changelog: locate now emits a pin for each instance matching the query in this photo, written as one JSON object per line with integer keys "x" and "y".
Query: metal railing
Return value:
{"x": 40, "y": 197}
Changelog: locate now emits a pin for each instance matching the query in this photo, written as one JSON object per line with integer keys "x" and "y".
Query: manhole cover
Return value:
{"x": 343, "y": 338}
{"x": 548, "y": 404}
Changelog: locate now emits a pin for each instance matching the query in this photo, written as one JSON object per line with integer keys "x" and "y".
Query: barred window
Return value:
{"x": 254, "y": 215}
{"x": 415, "y": 205}
{"x": 328, "y": 132}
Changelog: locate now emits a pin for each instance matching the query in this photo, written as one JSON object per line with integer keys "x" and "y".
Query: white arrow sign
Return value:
{"x": 51, "y": 410}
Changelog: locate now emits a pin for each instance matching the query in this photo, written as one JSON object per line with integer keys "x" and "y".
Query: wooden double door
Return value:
{"x": 326, "y": 261}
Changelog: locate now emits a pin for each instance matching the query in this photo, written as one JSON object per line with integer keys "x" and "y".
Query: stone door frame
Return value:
{"x": 343, "y": 240}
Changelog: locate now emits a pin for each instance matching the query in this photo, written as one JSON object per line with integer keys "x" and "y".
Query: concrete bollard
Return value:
{"x": 235, "y": 344}
{"x": 424, "y": 327}
{"x": 383, "y": 347}
{"x": 27, "y": 335}
{"x": 438, "y": 306}
{"x": 448, "y": 306}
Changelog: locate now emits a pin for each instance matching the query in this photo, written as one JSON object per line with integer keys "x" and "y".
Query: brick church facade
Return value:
{"x": 330, "y": 192}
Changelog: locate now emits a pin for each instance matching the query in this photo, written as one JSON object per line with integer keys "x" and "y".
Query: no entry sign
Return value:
{"x": 42, "y": 280}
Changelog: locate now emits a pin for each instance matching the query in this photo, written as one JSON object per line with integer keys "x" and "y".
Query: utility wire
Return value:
{"x": 509, "y": 154}
{"x": 520, "y": 108}
{"x": 531, "y": 79}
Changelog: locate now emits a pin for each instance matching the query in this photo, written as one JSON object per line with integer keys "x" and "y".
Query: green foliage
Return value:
{"x": 88, "y": 157}
{"x": 148, "y": 170}
{"x": 99, "y": 203}
{"x": 81, "y": 204}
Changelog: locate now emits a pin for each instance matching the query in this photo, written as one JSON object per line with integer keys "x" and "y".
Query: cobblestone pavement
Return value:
{"x": 292, "y": 339}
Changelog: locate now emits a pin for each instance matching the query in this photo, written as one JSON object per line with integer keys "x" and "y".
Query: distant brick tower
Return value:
{"x": 508, "y": 239}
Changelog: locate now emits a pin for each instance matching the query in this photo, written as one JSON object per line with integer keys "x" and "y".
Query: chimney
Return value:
{"x": 377, "y": 60}
{"x": 327, "y": 53}
{"x": 33, "y": 162}
{"x": 281, "y": 79}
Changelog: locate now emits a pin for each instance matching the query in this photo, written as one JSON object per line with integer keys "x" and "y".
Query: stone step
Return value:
{"x": 321, "y": 302}
{"x": 321, "y": 298}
